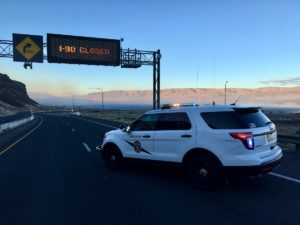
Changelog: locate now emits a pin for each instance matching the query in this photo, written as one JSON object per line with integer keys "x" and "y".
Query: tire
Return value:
{"x": 113, "y": 158}
{"x": 204, "y": 172}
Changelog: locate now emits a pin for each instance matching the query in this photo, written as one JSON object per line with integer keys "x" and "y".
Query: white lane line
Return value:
{"x": 73, "y": 129}
{"x": 285, "y": 177}
{"x": 87, "y": 147}
{"x": 16, "y": 142}
{"x": 102, "y": 124}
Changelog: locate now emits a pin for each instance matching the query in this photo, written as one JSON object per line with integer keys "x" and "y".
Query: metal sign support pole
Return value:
{"x": 154, "y": 80}
{"x": 158, "y": 79}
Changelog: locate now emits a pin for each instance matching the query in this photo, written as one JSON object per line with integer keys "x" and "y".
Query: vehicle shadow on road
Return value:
{"x": 176, "y": 177}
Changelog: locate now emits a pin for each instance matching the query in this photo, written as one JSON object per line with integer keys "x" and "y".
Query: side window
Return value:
{"x": 223, "y": 120}
{"x": 173, "y": 121}
{"x": 145, "y": 123}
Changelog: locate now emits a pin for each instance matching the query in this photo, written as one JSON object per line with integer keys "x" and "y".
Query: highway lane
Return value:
{"x": 51, "y": 178}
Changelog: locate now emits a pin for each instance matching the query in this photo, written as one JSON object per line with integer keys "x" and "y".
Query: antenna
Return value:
{"x": 214, "y": 77}
{"x": 236, "y": 100}
{"x": 197, "y": 84}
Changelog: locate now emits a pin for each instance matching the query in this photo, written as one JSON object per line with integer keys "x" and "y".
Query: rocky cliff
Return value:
{"x": 13, "y": 93}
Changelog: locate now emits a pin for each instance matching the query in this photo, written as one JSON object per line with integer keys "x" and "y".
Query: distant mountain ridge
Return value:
{"x": 285, "y": 96}
{"x": 13, "y": 93}
{"x": 265, "y": 96}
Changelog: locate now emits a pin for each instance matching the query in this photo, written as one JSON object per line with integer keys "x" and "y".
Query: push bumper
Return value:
{"x": 254, "y": 170}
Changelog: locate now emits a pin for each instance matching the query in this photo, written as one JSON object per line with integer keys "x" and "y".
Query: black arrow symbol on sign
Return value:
{"x": 28, "y": 45}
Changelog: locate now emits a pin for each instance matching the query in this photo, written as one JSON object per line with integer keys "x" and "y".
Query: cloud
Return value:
{"x": 292, "y": 81}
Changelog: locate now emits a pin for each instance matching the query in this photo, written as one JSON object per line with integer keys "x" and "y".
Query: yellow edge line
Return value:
{"x": 16, "y": 142}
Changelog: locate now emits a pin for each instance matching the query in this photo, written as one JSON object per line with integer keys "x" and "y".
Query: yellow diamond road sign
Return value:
{"x": 28, "y": 48}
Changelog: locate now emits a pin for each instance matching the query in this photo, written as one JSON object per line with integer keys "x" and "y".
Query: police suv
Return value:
{"x": 207, "y": 141}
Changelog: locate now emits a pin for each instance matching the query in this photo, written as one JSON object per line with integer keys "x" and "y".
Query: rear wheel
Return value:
{"x": 204, "y": 172}
{"x": 113, "y": 158}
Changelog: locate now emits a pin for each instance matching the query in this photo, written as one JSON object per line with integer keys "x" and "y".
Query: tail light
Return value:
{"x": 246, "y": 138}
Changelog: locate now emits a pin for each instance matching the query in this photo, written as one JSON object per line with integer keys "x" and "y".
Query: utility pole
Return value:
{"x": 72, "y": 99}
{"x": 73, "y": 102}
{"x": 225, "y": 92}
{"x": 102, "y": 97}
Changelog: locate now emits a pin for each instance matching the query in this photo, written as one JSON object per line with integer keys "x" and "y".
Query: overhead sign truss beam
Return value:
{"x": 6, "y": 48}
{"x": 129, "y": 58}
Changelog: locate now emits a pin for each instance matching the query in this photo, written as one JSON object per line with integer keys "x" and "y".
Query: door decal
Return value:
{"x": 137, "y": 146}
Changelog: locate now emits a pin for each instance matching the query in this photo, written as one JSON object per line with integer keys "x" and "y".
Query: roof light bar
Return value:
{"x": 177, "y": 105}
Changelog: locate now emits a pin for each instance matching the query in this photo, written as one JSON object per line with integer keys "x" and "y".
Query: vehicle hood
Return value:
{"x": 114, "y": 132}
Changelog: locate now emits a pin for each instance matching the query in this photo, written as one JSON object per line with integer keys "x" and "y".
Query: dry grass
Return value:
{"x": 124, "y": 116}
{"x": 287, "y": 124}
{"x": 6, "y": 109}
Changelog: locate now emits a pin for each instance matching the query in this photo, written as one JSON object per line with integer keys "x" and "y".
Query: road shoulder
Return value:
{"x": 9, "y": 137}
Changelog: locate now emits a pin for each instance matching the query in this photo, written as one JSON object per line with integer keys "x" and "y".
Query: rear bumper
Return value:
{"x": 254, "y": 170}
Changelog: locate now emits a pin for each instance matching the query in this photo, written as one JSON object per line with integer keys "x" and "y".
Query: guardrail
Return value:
{"x": 293, "y": 139}
{"x": 14, "y": 124}
{"x": 14, "y": 117}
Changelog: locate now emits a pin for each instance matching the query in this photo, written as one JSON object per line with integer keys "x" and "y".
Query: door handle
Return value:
{"x": 146, "y": 136}
{"x": 186, "y": 136}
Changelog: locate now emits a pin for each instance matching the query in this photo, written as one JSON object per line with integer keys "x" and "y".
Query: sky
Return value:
{"x": 203, "y": 43}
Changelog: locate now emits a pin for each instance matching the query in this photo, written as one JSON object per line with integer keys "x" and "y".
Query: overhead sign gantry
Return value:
{"x": 81, "y": 50}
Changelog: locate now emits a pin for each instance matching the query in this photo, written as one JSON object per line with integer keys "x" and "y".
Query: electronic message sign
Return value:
{"x": 82, "y": 50}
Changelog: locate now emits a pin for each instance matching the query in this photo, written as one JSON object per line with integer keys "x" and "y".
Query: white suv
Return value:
{"x": 207, "y": 141}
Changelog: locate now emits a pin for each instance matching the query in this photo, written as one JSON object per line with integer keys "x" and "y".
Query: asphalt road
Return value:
{"x": 55, "y": 176}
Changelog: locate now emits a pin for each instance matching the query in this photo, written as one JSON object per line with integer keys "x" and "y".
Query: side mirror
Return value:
{"x": 127, "y": 129}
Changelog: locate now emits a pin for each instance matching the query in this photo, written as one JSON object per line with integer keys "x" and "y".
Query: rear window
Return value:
{"x": 241, "y": 118}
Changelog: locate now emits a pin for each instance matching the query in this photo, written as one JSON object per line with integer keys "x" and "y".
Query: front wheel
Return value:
{"x": 114, "y": 159}
{"x": 204, "y": 172}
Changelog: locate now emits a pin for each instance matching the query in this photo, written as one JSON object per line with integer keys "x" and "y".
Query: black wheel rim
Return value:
{"x": 112, "y": 160}
{"x": 202, "y": 174}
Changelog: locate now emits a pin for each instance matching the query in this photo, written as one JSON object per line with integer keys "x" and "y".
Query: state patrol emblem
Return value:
{"x": 137, "y": 146}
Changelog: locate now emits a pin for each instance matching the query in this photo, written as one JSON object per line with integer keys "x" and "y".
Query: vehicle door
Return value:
{"x": 139, "y": 137}
{"x": 174, "y": 135}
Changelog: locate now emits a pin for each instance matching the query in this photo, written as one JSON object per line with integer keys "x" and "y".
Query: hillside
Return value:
{"x": 13, "y": 95}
